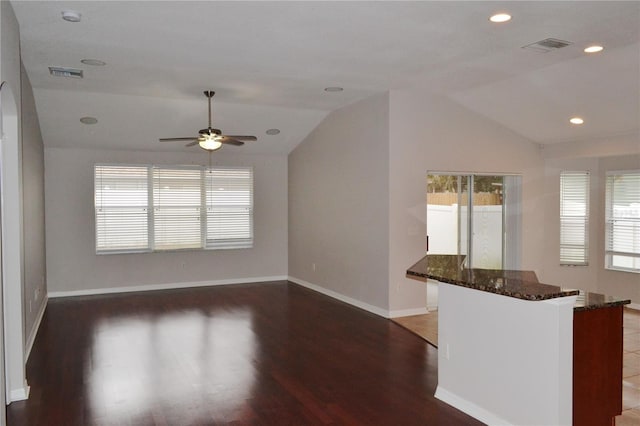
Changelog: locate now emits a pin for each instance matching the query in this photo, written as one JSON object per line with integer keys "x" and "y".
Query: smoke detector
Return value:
{"x": 547, "y": 45}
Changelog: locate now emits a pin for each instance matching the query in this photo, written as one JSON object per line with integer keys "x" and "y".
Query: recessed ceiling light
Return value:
{"x": 71, "y": 15}
{"x": 273, "y": 131}
{"x": 333, "y": 89}
{"x": 88, "y": 120}
{"x": 593, "y": 49}
{"x": 94, "y": 62}
{"x": 576, "y": 120}
{"x": 500, "y": 17}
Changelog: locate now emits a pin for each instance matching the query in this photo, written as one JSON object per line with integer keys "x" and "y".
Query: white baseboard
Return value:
{"x": 408, "y": 312}
{"x": 341, "y": 297}
{"x": 635, "y": 306}
{"x": 19, "y": 394}
{"x": 168, "y": 286}
{"x": 34, "y": 329}
{"x": 470, "y": 408}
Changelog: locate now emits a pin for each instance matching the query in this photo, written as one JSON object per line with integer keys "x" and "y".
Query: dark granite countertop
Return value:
{"x": 519, "y": 284}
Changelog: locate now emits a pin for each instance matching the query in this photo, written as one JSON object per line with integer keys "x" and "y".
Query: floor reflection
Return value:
{"x": 144, "y": 363}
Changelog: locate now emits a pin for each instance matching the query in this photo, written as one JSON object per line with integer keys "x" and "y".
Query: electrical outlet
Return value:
{"x": 313, "y": 267}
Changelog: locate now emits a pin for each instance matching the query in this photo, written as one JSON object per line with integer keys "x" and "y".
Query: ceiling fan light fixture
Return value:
{"x": 210, "y": 143}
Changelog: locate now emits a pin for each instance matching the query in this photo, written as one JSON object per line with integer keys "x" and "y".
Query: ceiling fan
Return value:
{"x": 211, "y": 139}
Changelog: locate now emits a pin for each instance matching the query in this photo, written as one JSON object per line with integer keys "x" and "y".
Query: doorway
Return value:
{"x": 11, "y": 251}
{"x": 474, "y": 215}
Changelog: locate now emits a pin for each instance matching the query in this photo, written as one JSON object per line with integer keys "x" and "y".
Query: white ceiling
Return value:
{"x": 270, "y": 61}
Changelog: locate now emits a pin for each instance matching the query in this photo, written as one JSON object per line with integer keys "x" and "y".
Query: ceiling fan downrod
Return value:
{"x": 209, "y": 94}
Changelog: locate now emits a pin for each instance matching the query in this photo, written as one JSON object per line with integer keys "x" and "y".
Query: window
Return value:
{"x": 229, "y": 208}
{"x": 122, "y": 208}
{"x": 623, "y": 221}
{"x": 574, "y": 218}
{"x": 155, "y": 208}
{"x": 177, "y": 200}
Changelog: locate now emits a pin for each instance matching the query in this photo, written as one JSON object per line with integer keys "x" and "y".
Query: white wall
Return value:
{"x": 33, "y": 206}
{"x": 3, "y": 396}
{"x": 338, "y": 205}
{"x": 432, "y": 133}
{"x": 73, "y": 266}
{"x": 628, "y": 143}
{"x": 12, "y": 231}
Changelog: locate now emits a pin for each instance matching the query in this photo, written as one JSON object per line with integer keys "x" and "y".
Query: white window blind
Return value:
{"x": 574, "y": 218}
{"x": 177, "y": 198}
{"x": 229, "y": 208}
{"x": 623, "y": 221}
{"x": 146, "y": 208}
{"x": 121, "y": 208}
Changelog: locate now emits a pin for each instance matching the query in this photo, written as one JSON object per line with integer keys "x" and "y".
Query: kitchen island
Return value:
{"x": 514, "y": 351}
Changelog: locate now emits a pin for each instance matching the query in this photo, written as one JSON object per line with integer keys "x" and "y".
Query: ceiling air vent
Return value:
{"x": 547, "y": 45}
{"x": 65, "y": 72}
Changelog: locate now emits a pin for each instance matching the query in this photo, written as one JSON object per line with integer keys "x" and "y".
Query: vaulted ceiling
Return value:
{"x": 269, "y": 63}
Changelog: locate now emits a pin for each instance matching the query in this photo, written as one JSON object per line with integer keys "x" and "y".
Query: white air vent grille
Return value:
{"x": 547, "y": 45}
{"x": 65, "y": 72}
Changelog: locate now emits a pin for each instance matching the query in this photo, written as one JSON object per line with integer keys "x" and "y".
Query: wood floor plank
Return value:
{"x": 268, "y": 354}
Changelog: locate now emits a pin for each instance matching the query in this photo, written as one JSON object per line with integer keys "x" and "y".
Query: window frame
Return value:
{"x": 610, "y": 220}
{"x": 203, "y": 208}
{"x": 569, "y": 193}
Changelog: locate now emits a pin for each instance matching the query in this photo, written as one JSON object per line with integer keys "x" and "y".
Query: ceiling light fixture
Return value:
{"x": 273, "y": 132}
{"x": 333, "y": 89}
{"x": 88, "y": 120}
{"x": 576, "y": 120}
{"x": 500, "y": 17}
{"x": 71, "y": 16}
{"x": 593, "y": 49}
{"x": 210, "y": 142}
{"x": 94, "y": 62}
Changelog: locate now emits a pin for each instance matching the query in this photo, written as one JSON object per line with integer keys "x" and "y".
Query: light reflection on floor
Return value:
{"x": 143, "y": 363}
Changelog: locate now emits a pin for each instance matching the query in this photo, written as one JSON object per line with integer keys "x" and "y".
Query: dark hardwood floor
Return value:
{"x": 271, "y": 353}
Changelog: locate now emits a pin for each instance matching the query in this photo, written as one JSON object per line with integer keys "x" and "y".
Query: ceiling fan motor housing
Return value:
{"x": 210, "y": 131}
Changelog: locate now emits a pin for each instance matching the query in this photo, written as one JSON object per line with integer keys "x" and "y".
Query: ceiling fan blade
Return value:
{"x": 230, "y": 141}
{"x": 177, "y": 139}
{"x": 192, "y": 143}
{"x": 242, "y": 138}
